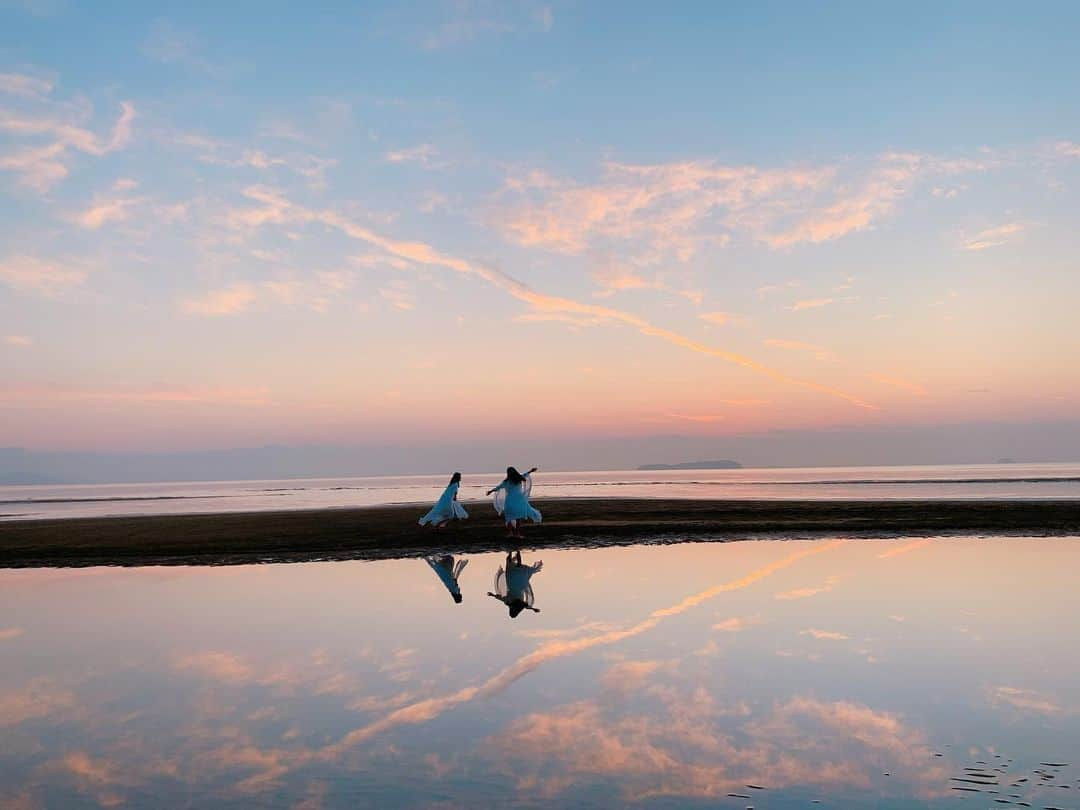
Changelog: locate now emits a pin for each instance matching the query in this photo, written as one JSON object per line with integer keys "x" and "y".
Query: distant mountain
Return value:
{"x": 723, "y": 464}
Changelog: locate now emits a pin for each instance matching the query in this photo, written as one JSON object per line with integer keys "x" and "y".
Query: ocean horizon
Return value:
{"x": 1012, "y": 481}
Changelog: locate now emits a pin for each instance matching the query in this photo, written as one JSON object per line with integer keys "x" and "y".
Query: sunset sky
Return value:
{"x": 320, "y": 224}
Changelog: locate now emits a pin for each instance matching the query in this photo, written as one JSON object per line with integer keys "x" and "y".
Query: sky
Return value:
{"x": 428, "y": 224}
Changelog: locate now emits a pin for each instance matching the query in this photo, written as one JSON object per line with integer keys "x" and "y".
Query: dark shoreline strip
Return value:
{"x": 391, "y": 531}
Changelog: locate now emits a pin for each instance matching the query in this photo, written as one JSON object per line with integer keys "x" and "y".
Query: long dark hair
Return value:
{"x": 513, "y": 476}
{"x": 455, "y": 478}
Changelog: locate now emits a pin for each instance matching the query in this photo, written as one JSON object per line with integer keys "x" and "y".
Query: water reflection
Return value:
{"x": 512, "y": 584}
{"x": 887, "y": 679}
{"x": 447, "y": 569}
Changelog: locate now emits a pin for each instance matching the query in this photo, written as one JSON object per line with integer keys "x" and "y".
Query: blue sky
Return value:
{"x": 283, "y": 224}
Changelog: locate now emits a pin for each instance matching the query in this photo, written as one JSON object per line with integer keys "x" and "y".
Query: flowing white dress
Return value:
{"x": 512, "y": 584}
{"x": 446, "y": 508}
{"x": 448, "y": 571}
{"x": 512, "y": 501}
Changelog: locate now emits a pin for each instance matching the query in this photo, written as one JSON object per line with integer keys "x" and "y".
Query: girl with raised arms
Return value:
{"x": 512, "y": 500}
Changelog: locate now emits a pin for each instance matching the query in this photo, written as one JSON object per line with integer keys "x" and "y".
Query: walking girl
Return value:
{"x": 447, "y": 507}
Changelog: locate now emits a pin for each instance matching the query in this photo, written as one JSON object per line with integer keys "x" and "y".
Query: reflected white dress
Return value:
{"x": 446, "y": 508}
{"x": 448, "y": 571}
{"x": 512, "y": 584}
{"x": 512, "y": 501}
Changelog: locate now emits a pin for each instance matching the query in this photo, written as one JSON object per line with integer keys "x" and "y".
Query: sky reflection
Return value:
{"x": 658, "y": 674}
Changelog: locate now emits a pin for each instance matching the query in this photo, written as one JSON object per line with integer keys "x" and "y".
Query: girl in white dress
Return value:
{"x": 447, "y": 507}
{"x": 448, "y": 571}
{"x": 512, "y": 500}
{"x": 512, "y": 586}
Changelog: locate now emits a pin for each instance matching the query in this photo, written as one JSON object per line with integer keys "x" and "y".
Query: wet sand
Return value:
{"x": 391, "y": 531}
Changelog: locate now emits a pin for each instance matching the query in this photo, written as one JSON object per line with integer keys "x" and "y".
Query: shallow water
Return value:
{"x": 1002, "y": 481}
{"x": 859, "y": 673}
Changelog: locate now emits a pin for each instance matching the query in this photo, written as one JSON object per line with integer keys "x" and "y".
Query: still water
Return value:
{"x": 928, "y": 672}
{"x": 1002, "y": 481}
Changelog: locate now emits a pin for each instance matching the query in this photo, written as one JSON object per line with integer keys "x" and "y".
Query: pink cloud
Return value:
{"x": 810, "y": 303}
{"x": 20, "y": 84}
{"x": 226, "y": 301}
{"x": 803, "y": 593}
{"x": 30, "y": 275}
{"x": 819, "y": 352}
{"x": 824, "y": 635}
{"x": 995, "y": 237}
{"x": 41, "y": 166}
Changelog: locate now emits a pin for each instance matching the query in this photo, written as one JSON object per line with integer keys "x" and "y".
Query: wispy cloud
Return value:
{"x": 803, "y": 593}
{"x": 105, "y": 209}
{"x": 810, "y": 303}
{"x": 613, "y": 277}
{"x": 693, "y": 746}
{"x": 996, "y": 237}
{"x": 824, "y": 635}
{"x": 466, "y": 22}
{"x": 819, "y": 352}
{"x": 275, "y": 208}
{"x": 313, "y": 290}
{"x": 770, "y": 289}
{"x": 226, "y": 301}
{"x": 1067, "y": 149}
{"x": 58, "y": 129}
{"x": 21, "y": 84}
{"x": 219, "y": 152}
{"x": 424, "y": 155}
{"x": 736, "y": 624}
{"x": 1027, "y": 700}
{"x": 31, "y": 275}
{"x": 719, "y": 318}
{"x": 668, "y": 211}
{"x": 19, "y": 341}
{"x": 400, "y": 294}
{"x": 663, "y": 211}
{"x": 170, "y": 44}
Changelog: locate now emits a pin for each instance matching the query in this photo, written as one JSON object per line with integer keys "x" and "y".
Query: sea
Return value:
{"x": 971, "y": 481}
{"x": 931, "y": 672}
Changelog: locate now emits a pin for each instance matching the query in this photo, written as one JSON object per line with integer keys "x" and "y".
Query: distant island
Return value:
{"x": 723, "y": 464}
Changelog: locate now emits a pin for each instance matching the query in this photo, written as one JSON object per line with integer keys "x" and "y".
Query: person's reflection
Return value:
{"x": 448, "y": 571}
{"x": 512, "y": 586}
